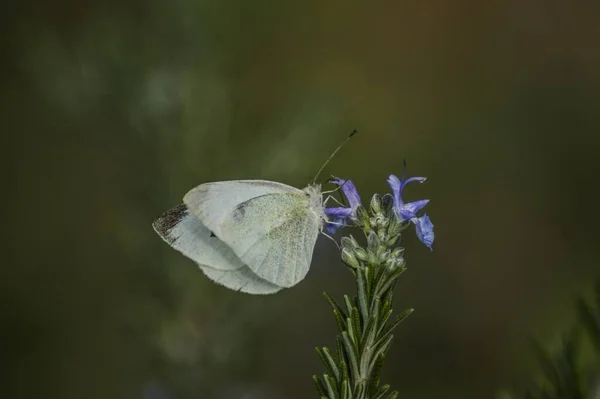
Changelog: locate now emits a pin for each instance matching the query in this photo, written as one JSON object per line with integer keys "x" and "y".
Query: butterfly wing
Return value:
{"x": 275, "y": 235}
{"x": 183, "y": 231}
{"x": 212, "y": 202}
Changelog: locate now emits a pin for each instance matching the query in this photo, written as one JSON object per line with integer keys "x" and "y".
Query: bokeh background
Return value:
{"x": 112, "y": 110}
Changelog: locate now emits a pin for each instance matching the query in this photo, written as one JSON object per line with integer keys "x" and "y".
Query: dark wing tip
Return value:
{"x": 165, "y": 223}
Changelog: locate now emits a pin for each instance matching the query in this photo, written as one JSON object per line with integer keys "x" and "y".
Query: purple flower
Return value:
{"x": 408, "y": 211}
{"x": 340, "y": 216}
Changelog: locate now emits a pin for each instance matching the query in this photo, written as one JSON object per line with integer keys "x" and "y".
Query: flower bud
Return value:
{"x": 387, "y": 203}
{"x": 391, "y": 241}
{"x": 360, "y": 253}
{"x": 398, "y": 252}
{"x": 383, "y": 237}
{"x": 349, "y": 242}
{"x": 384, "y": 256}
{"x": 376, "y": 205}
{"x": 349, "y": 258}
{"x": 373, "y": 242}
{"x": 363, "y": 216}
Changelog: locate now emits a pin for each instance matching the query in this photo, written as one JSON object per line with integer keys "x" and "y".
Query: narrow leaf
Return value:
{"x": 351, "y": 354}
{"x": 397, "y": 320}
{"x": 364, "y": 361}
{"x": 344, "y": 370}
{"x": 349, "y": 305}
{"x": 359, "y": 390}
{"x": 339, "y": 320}
{"x": 384, "y": 320}
{"x": 345, "y": 391}
{"x": 393, "y": 395}
{"x": 391, "y": 280}
{"x": 340, "y": 349}
{"x": 356, "y": 328}
{"x": 331, "y": 386}
{"x": 380, "y": 351}
{"x": 362, "y": 297}
{"x": 374, "y": 375}
{"x": 334, "y": 304}
{"x": 382, "y": 391}
{"x": 324, "y": 359}
{"x": 369, "y": 281}
{"x": 332, "y": 366}
{"x": 320, "y": 386}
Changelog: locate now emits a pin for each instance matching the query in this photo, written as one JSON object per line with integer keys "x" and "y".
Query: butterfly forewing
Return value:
{"x": 212, "y": 202}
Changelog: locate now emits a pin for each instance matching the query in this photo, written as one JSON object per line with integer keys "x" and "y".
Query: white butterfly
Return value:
{"x": 254, "y": 236}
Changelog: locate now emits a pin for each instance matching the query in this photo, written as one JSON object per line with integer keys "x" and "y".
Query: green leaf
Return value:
{"x": 349, "y": 305}
{"x": 397, "y": 320}
{"x": 393, "y": 395}
{"x": 384, "y": 319}
{"x": 356, "y": 328}
{"x": 381, "y": 349}
{"x": 388, "y": 284}
{"x": 382, "y": 391}
{"x": 388, "y": 297}
{"x": 371, "y": 328}
{"x": 362, "y": 297}
{"x": 381, "y": 277}
{"x": 374, "y": 376}
{"x": 339, "y": 321}
{"x": 344, "y": 370}
{"x": 364, "y": 361}
{"x": 331, "y": 387}
{"x": 334, "y": 304}
{"x": 329, "y": 363}
{"x": 340, "y": 350}
{"x": 368, "y": 271}
{"x": 359, "y": 390}
{"x": 352, "y": 355}
{"x": 346, "y": 392}
{"x": 320, "y": 386}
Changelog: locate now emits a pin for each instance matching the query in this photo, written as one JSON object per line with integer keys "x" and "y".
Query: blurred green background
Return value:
{"x": 112, "y": 110}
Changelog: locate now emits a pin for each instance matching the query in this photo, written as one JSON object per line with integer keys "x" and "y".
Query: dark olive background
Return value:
{"x": 112, "y": 110}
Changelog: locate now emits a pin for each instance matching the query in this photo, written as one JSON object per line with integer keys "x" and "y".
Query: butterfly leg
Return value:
{"x": 333, "y": 198}
{"x": 337, "y": 189}
{"x": 332, "y": 239}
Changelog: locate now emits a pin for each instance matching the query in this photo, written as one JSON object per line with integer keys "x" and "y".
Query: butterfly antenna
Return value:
{"x": 334, "y": 152}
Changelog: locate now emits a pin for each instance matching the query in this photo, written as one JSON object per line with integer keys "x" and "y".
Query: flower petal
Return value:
{"x": 412, "y": 179}
{"x": 338, "y": 212}
{"x": 340, "y": 216}
{"x": 409, "y": 210}
{"x": 424, "y": 229}
{"x": 396, "y": 186}
{"x": 332, "y": 228}
{"x": 349, "y": 190}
